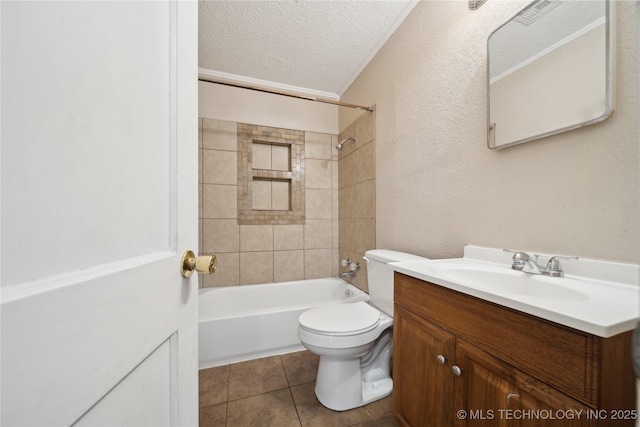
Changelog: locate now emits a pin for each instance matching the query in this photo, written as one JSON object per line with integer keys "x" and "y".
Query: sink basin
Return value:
{"x": 598, "y": 297}
{"x": 507, "y": 281}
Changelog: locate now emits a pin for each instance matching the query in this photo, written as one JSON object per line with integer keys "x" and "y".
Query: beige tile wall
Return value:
{"x": 357, "y": 194}
{"x": 249, "y": 254}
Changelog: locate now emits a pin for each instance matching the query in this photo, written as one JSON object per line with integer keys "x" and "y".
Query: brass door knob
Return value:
{"x": 204, "y": 264}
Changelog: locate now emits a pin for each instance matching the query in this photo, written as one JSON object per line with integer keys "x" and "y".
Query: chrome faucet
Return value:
{"x": 553, "y": 268}
{"x": 522, "y": 261}
{"x": 353, "y": 267}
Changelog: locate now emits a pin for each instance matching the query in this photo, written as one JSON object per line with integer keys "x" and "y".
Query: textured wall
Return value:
{"x": 439, "y": 187}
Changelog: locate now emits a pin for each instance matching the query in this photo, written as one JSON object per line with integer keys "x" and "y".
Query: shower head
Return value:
{"x": 341, "y": 143}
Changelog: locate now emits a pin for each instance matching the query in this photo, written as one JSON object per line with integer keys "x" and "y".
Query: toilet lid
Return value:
{"x": 358, "y": 317}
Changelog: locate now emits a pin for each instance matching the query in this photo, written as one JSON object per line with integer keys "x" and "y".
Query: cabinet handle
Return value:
{"x": 441, "y": 359}
{"x": 456, "y": 370}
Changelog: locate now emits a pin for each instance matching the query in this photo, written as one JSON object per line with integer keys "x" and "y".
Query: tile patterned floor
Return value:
{"x": 277, "y": 392}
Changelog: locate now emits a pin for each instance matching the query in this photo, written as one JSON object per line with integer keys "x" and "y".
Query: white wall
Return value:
{"x": 438, "y": 185}
{"x": 246, "y": 106}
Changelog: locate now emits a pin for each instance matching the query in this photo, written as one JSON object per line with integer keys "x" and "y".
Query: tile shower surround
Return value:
{"x": 271, "y": 175}
{"x": 357, "y": 194}
{"x": 264, "y": 253}
{"x": 277, "y": 391}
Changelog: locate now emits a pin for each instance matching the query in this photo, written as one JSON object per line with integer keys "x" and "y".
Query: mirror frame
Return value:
{"x": 609, "y": 92}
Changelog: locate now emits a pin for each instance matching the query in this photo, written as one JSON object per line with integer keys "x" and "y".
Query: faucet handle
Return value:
{"x": 520, "y": 258}
{"x": 553, "y": 268}
{"x": 516, "y": 261}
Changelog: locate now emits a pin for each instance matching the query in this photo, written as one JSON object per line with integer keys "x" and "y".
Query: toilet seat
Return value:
{"x": 342, "y": 320}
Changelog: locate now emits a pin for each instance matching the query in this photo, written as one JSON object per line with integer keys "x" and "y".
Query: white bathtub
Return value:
{"x": 239, "y": 323}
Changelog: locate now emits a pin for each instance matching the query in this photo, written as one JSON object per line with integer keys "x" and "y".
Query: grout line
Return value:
{"x": 228, "y": 386}
{"x": 284, "y": 370}
{"x": 295, "y": 407}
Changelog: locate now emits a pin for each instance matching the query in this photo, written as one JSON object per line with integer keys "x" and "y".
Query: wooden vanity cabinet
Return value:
{"x": 515, "y": 369}
{"x": 417, "y": 385}
{"x": 505, "y": 394}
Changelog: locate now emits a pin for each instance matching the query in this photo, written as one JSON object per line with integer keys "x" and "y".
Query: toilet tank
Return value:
{"x": 380, "y": 276}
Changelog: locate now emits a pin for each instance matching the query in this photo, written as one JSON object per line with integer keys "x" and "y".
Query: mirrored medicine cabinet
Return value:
{"x": 549, "y": 70}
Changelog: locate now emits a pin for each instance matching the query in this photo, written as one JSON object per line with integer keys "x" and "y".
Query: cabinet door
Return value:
{"x": 490, "y": 392}
{"x": 423, "y": 386}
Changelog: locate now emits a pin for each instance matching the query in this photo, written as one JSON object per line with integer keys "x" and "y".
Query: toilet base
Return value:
{"x": 351, "y": 392}
{"x": 376, "y": 390}
{"x": 344, "y": 383}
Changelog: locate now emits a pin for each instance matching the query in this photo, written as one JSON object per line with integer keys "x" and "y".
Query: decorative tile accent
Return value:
{"x": 285, "y": 168}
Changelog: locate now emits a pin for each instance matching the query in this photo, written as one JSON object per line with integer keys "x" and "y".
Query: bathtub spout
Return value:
{"x": 347, "y": 274}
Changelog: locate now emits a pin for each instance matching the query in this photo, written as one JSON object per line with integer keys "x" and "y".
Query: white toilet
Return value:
{"x": 354, "y": 341}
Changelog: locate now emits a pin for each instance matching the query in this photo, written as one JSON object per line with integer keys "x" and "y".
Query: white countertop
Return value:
{"x": 598, "y": 297}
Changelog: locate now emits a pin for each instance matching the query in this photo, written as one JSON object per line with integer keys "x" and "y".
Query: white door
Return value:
{"x": 99, "y": 200}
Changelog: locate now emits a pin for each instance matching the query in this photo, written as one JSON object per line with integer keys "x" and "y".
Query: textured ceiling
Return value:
{"x": 309, "y": 46}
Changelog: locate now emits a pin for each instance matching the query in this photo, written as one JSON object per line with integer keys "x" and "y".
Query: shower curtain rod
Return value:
{"x": 306, "y": 98}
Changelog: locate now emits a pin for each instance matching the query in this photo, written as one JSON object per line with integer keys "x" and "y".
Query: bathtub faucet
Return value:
{"x": 353, "y": 267}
